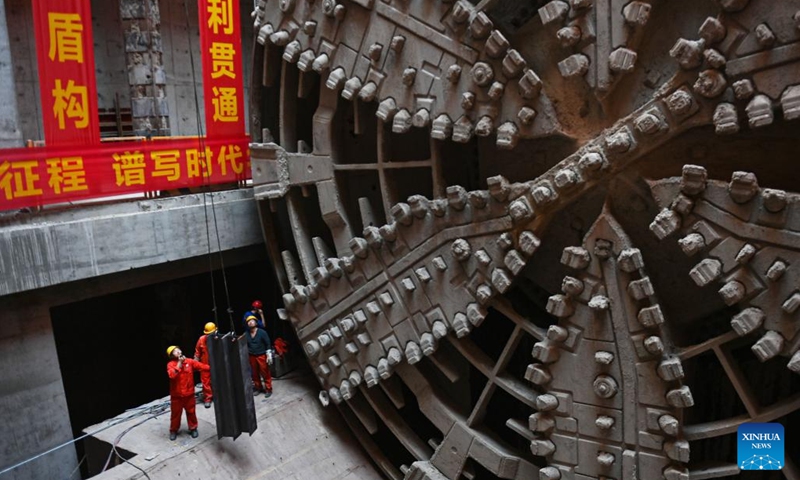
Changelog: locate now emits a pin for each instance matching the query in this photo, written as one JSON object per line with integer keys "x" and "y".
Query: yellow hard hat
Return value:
{"x": 250, "y": 317}
{"x": 209, "y": 328}
{"x": 170, "y": 349}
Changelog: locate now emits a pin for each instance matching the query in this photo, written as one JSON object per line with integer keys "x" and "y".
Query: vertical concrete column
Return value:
{"x": 141, "y": 21}
{"x": 10, "y": 134}
{"x": 33, "y": 406}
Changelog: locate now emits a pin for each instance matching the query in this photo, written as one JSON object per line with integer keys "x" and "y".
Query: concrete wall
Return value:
{"x": 109, "y": 55}
{"x": 110, "y": 68}
{"x": 19, "y": 14}
{"x": 43, "y": 250}
{"x": 180, "y": 84}
{"x": 10, "y": 135}
{"x": 248, "y": 34}
{"x": 33, "y": 408}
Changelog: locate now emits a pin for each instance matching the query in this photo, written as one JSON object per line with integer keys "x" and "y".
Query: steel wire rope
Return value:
{"x": 119, "y": 437}
{"x": 72, "y": 474}
{"x": 154, "y": 410}
{"x": 204, "y": 175}
{"x": 202, "y": 144}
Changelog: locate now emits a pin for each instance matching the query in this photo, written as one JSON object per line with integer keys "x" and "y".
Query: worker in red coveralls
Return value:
{"x": 259, "y": 346}
{"x": 181, "y": 390}
{"x": 201, "y": 355}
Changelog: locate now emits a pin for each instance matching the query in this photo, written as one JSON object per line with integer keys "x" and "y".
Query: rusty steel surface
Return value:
{"x": 505, "y": 234}
{"x": 234, "y": 408}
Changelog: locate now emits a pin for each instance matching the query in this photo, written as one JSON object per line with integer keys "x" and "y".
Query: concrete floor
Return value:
{"x": 296, "y": 439}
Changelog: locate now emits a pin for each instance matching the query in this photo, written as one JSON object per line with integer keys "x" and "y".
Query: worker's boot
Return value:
{"x": 193, "y": 433}
{"x": 268, "y": 393}
{"x": 173, "y": 436}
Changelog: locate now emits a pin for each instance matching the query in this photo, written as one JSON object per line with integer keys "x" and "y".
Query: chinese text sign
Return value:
{"x": 221, "y": 51}
{"x": 68, "y": 90}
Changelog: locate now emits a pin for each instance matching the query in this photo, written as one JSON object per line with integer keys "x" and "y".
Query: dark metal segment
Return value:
{"x": 243, "y": 388}
{"x": 234, "y": 409}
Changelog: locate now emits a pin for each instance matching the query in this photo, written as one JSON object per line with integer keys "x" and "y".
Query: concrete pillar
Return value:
{"x": 33, "y": 406}
{"x": 179, "y": 41}
{"x": 109, "y": 56}
{"x": 141, "y": 21}
{"x": 10, "y": 134}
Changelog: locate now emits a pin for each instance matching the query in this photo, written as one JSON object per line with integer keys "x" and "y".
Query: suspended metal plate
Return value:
{"x": 233, "y": 391}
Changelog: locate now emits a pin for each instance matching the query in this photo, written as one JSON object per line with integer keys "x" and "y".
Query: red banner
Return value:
{"x": 221, "y": 50}
{"x": 38, "y": 176}
{"x": 68, "y": 89}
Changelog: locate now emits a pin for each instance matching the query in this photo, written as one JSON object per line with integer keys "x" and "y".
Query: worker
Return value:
{"x": 258, "y": 346}
{"x": 181, "y": 390}
{"x": 201, "y": 355}
{"x": 257, "y": 312}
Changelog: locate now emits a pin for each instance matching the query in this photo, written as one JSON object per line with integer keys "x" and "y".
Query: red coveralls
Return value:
{"x": 258, "y": 362}
{"x": 259, "y": 368}
{"x": 201, "y": 353}
{"x": 181, "y": 392}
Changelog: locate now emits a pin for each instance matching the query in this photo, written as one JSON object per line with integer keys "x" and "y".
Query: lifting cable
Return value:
{"x": 202, "y": 154}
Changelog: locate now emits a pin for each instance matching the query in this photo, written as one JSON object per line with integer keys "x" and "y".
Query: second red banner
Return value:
{"x": 67, "y": 85}
{"x": 221, "y": 51}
